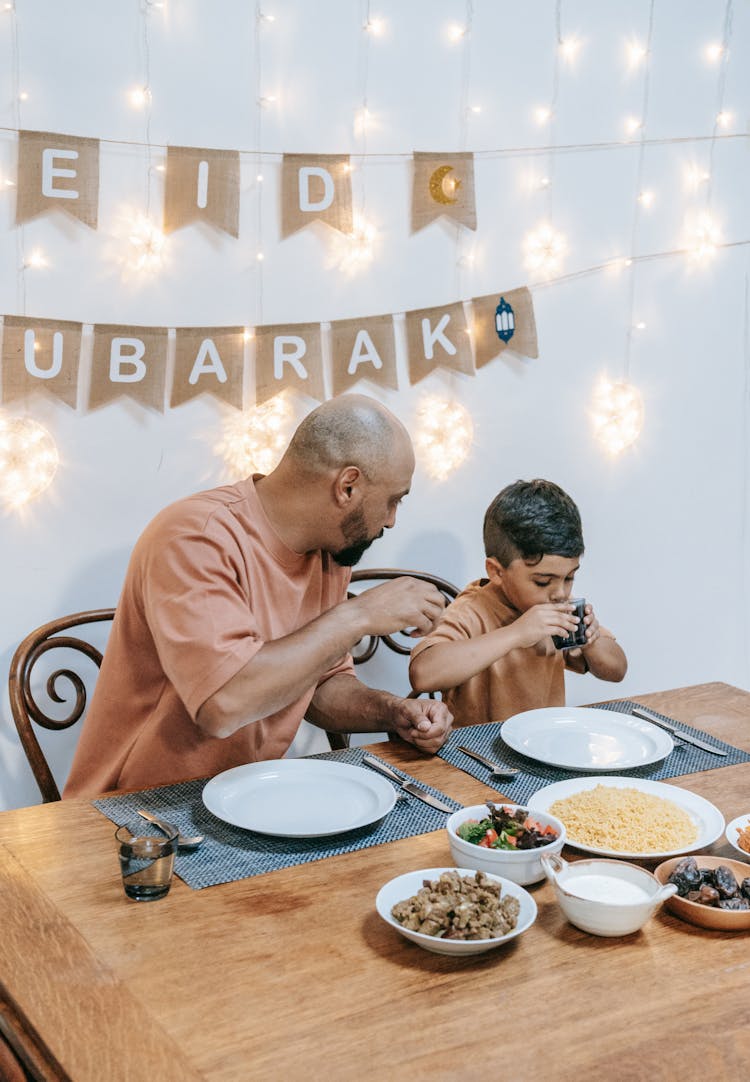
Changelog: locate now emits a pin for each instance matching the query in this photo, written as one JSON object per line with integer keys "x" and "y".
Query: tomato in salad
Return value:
{"x": 506, "y": 829}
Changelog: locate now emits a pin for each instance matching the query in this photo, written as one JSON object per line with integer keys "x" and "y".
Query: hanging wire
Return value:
{"x": 639, "y": 189}
{"x": 20, "y": 228}
{"x": 144, "y": 10}
{"x": 259, "y": 156}
{"x": 726, "y": 38}
{"x": 463, "y": 129}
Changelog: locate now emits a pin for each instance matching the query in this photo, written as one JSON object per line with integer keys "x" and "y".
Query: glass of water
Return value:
{"x": 146, "y": 863}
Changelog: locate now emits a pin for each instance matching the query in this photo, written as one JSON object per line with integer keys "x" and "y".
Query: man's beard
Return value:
{"x": 354, "y": 529}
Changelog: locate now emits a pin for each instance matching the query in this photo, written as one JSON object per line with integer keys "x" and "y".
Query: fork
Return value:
{"x": 498, "y": 770}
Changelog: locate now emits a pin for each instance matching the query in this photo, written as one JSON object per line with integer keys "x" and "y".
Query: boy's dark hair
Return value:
{"x": 531, "y": 519}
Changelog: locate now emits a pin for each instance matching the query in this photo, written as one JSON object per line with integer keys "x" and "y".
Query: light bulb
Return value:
{"x": 443, "y": 435}
{"x": 617, "y": 415}
{"x": 724, "y": 118}
{"x": 703, "y": 235}
{"x": 542, "y": 114}
{"x": 544, "y": 249}
{"x": 139, "y": 97}
{"x": 28, "y": 460}
{"x": 632, "y": 124}
{"x": 456, "y": 31}
{"x": 714, "y": 52}
{"x": 569, "y": 48}
{"x": 646, "y": 198}
{"x": 147, "y": 245}
{"x": 375, "y": 27}
{"x": 636, "y": 53}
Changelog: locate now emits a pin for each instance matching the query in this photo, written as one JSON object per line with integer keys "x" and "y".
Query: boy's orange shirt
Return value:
{"x": 527, "y": 678}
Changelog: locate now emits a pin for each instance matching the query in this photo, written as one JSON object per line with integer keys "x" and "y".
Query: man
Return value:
{"x": 233, "y": 623}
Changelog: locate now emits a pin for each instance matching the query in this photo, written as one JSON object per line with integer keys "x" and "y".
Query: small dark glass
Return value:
{"x": 577, "y": 637}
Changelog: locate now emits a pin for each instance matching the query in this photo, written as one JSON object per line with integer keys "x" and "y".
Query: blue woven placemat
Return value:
{"x": 230, "y": 853}
{"x": 487, "y": 739}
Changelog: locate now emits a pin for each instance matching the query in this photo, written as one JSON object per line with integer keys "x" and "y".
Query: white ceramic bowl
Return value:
{"x": 523, "y": 866}
{"x": 405, "y": 886}
{"x": 605, "y": 897}
{"x": 732, "y": 830}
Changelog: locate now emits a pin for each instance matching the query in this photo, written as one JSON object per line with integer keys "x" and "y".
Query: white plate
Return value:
{"x": 404, "y": 886}
{"x": 299, "y": 798}
{"x": 739, "y": 823}
{"x": 585, "y": 738}
{"x": 707, "y": 818}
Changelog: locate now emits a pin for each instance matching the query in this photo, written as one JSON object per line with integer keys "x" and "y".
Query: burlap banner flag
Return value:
{"x": 41, "y": 355}
{"x": 202, "y": 185}
{"x": 128, "y": 362}
{"x": 438, "y": 338}
{"x": 443, "y": 185}
{"x": 288, "y": 356}
{"x": 503, "y": 321}
{"x": 316, "y": 187}
{"x": 208, "y": 360}
{"x": 57, "y": 172}
{"x": 363, "y": 349}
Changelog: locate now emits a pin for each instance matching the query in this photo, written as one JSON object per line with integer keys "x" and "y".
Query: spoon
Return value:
{"x": 184, "y": 841}
{"x": 497, "y": 769}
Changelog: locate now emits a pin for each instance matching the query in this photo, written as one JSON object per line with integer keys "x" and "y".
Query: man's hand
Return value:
{"x": 542, "y": 620}
{"x": 399, "y": 604}
{"x": 426, "y": 723}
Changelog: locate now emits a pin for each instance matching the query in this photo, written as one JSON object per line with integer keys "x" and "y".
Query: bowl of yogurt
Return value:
{"x": 605, "y": 897}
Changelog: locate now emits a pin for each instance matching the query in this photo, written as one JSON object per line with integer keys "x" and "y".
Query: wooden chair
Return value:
{"x": 27, "y": 708}
{"x": 366, "y": 649}
{"x": 24, "y": 701}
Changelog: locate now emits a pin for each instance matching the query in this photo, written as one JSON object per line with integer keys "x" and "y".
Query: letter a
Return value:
{"x": 364, "y": 350}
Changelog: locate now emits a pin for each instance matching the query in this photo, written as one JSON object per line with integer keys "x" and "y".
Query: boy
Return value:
{"x": 492, "y": 653}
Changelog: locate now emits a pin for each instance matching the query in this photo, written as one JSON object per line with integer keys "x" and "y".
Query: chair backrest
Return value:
{"x": 28, "y": 704}
{"x": 366, "y": 649}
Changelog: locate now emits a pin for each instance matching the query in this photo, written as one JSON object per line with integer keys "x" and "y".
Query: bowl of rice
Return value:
{"x": 630, "y": 818}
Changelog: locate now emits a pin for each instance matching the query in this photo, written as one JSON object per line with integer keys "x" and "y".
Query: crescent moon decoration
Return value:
{"x": 440, "y": 185}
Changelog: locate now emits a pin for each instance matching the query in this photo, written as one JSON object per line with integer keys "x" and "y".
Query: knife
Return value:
{"x": 645, "y": 715}
{"x": 407, "y": 786}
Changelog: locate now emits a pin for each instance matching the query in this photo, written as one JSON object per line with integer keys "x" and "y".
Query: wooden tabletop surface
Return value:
{"x": 292, "y": 975}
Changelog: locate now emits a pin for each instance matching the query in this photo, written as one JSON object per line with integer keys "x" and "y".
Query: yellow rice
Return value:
{"x": 625, "y": 820}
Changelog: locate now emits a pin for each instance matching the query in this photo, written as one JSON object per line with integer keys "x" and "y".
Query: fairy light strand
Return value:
{"x": 20, "y": 228}
{"x": 461, "y": 240}
{"x": 259, "y": 159}
{"x": 726, "y": 37}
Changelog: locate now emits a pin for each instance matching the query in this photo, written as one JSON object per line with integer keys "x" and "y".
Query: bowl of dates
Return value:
{"x": 712, "y": 892}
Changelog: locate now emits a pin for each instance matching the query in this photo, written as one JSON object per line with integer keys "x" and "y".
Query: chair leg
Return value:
{"x": 338, "y": 741}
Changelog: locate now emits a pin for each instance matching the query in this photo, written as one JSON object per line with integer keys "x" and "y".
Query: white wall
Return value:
{"x": 665, "y": 523}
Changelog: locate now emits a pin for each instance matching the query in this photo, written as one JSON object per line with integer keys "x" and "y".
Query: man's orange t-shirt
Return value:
{"x": 209, "y": 582}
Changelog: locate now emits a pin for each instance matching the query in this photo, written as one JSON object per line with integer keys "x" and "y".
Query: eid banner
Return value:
{"x": 41, "y": 355}
{"x": 316, "y": 187}
{"x": 438, "y": 338}
{"x": 203, "y": 186}
{"x": 128, "y": 362}
{"x": 46, "y": 355}
{"x": 363, "y": 349}
{"x": 288, "y": 356}
{"x": 208, "y": 360}
{"x": 57, "y": 172}
{"x": 443, "y": 185}
{"x": 503, "y": 321}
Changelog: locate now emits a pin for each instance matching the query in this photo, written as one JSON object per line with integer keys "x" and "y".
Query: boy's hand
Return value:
{"x": 592, "y": 626}
{"x": 540, "y": 621}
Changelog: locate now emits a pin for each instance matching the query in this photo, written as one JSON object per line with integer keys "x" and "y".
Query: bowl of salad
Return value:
{"x": 504, "y": 839}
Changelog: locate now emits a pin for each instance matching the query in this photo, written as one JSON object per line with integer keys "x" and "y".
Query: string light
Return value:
{"x": 139, "y": 97}
{"x": 636, "y": 53}
{"x": 362, "y": 121}
{"x": 617, "y": 415}
{"x": 544, "y": 249}
{"x": 28, "y": 460}
{"x": 254, "y": 441}
{"x": 147, "y": 242}
{"x": 456, "y": 32}
{"x": 695, "y": 176}
{"x": 375, "y": 26}
{"x": 724, "y": 118}
{"x": 632, "y": 124}
{"x": 569, "y": 48}
{"x": 267, "y": 99}
{"x": 37, "y": 260}
{"x": 714, "y": 52}
{"x": 703, "y": 235}
{"x": 543, "y": 114}
{"x": 646, "y": 199}
{"x": 443, "y": 435}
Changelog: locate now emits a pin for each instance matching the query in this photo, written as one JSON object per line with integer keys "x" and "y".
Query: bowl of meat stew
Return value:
{"x": 454, "y": 910}
{"x": 712, "y": 892}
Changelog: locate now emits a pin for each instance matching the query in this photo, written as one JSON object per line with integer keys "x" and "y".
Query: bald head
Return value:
{"x": 352, "y": 430}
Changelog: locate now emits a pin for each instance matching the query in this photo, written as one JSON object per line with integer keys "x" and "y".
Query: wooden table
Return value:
{"x": 292, "y": 975}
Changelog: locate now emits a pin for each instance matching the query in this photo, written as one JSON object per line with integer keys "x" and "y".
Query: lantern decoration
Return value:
{"x": 617, "y": 415}
{"x": 255, "y": 440}
{"x": 146, "y": 245}
{"x": 505, "y": 321}
{"x": 444, "y": 435}
{"x": 28, "y": 460}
